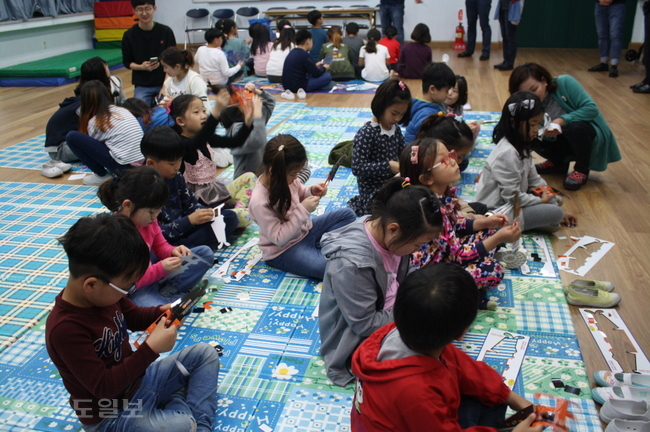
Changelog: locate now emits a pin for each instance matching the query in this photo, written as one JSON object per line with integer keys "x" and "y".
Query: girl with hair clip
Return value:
{"x": 415, "y": 56}
{"x": 233, "y": 43}
{"x": 456, "y": 135}
{"x": 374, "y": 58}
{"x": 509, "y": 172}
{"x": 379, "y": 142}
{"x": 108, "y": 141}
{"x": 140, "y": 195}
{"x": 260, "y": 47}
{"x": 341, "y": 68}
{"x": 366, "y": 262}
{"x": 213, "y": 64}
{"x": 279, "y": 52}
{"x": 197, "y": 130}
{"x": 470, "y": 243}
{"x": 182, "y": 79}
{"x": 282, "y": 206}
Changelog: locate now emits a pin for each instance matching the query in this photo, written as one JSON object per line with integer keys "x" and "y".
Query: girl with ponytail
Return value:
{"x": 341, "y": 68}
{"x": 374, "y": 58}
{"x": 281, "y": 205}
{"x": 182, "y": 79}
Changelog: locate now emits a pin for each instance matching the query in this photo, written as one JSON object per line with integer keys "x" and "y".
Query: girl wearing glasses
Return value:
{"x": 140, "y": 195}
{"x": 469, "y": 243}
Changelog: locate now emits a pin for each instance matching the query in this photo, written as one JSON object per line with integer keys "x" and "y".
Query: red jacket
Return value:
{"x": 417, "y": 392}
{"x": 393, "y": 46}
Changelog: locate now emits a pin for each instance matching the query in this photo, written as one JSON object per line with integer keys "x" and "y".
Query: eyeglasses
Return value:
{"x": 144, "y": 9}
{"x": 127, "y": 292}
{"x": 451, "y": 156}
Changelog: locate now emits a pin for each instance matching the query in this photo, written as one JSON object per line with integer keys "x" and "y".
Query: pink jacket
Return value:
{"x": 154, "y": 239}
{"x": 277, "y": 236}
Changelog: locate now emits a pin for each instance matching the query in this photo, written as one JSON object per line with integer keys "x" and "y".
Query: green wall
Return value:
{"x": 565, "y": 24}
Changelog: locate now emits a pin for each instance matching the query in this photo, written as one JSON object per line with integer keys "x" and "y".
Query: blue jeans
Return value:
{"x": 393, "y": 15}
{"x": 478, "y": 9}
{"x": 609, "y": 23}
{"x": 147, "y": 94}
{"x": 509, "y": 35}
{"x": 305, "y": 257}
{"x": 94, "y": 154}
{"x": 323, "y": 82}
{"x": 473, "y": 413}
{"x": 167, "y": 290}
{"x": 167, "y": 399}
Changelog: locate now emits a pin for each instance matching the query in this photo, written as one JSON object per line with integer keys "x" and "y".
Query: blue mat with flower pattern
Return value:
{"x": 272, "y": 377}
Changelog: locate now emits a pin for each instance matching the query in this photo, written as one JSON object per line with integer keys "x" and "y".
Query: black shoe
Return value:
{"x": 645, "y": 89}
{"x": 505, "y": 67}
{"x": 600, "y": 67}
{"x": 465, "y": 54}
{"x": 548, "y": 167}
{"x": 497, "y": 66}
{"x": 484, "y": 57}
{"x": 613, "y": 71}
{"x": 637, "y": 85}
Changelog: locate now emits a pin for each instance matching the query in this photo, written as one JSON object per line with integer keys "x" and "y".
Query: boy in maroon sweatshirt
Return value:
{"x": 112, "y": 387}
{"x": 410, "y": 376}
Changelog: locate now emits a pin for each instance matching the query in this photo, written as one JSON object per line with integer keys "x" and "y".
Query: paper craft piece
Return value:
{"x": 265, "y": 428}
{"x": 219, "y": 227}
{"x": 591, "y": 259}
{"x": 222, "y": 271}
{"x": 642, "y": 362}
{"x": 502, "y": 345}
{"x": 547, "y": 270}
{"x": 186, "y": 262}
{"x": 248, "y": 268}
{"x": 76, "y": 176}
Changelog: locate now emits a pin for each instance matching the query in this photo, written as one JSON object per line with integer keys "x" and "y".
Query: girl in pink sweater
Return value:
{"x": 282, "y": 207}
{"x": 140, "y": 195}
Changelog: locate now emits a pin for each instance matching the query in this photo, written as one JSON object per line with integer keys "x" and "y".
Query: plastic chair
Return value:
{"x": 220, "y": 14}
{"x": 247, "y": 13}
{"x": 278, "y": 17}
{"x": 325, "y": 15}
{"x": 191, "y": 17}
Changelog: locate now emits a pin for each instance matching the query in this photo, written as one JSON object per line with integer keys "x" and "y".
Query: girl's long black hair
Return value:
{"x": 519, "y": 108}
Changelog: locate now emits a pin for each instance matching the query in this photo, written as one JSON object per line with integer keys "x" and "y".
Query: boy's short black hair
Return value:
{"x": 136, "y": 3}
{"x": 352, "y": 28}
{"x": 313, "y": 16}
{"x": 390, "y": 32}
{"x": 435, "y": 305}
{"x": 438, "y": 75}
{"x": 162, "y": 143}
{"x": 231, "y": 115}
{"x": 106, "y": 246}
{"x": 302, "y": 36}
{"x": 212, "y": 33}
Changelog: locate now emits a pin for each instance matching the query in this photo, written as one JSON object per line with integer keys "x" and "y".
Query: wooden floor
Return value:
{"x": 614, "y": 205}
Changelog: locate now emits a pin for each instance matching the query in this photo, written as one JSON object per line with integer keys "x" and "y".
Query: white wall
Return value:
{"x": 18, "y": 46}
{"x": 439, "y": 15}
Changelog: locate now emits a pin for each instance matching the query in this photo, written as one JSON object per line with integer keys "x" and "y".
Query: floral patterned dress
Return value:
{"x": 460, "y": 244}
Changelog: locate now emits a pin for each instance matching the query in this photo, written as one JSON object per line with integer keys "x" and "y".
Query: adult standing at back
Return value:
{"x": 508, "y": 12}
{"x": 609, "y": 24}
{"x": 142, "y": 45}
{"x": 478, "y": 9}
{"x": 391, "y": 13}
{"x": 644, "y": 86}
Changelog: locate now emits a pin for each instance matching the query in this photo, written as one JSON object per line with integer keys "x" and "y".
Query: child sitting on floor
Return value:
{"x": 260, "y": 47}
{"x": 416, "y": 55}
{"x": 197, "y": 132}
{"x": 279, "y": 52}
{"x": 236, "y": 49}
{"x": 373, "y": 58}
{"x": 181, "y": 79}
{"x": 87, "y": 339}
{"x": 341, "y": 69}
{"x": 354, "y": 43}
{"x": 213, "y": 64}
{"x": 409, "y": 373}
{"x": 318, "y": 33}
{"x": 140, "y": 195}
{"x": 509, "y": 170}
{"x": 470, "y": 243}
{"x": 379, "y": 142}
{"x": 457, "y": 97}
{"x": 282, "y": 206}
{"x": 182, "y": 220}
{"x": 148, "y": 117}
{"x": 300, "y": 72}
{"x": 393, "y": 46}
{"x": 367, "y": 261}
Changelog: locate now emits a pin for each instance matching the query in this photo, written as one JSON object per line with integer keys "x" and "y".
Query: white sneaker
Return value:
{"x": 302, "y": 94}
{"x": 624, "y": 410}
{"x": 95, "y": 180}
{"x": 288, "y": 94}
{"x": 601, "y": 394}
{"x": 222, "y": 157}
{"x": 613, "y": 379}
{"x": 65, "y": 167}
{"x": 51, "y": 171}
{"x": 628, "y": 426}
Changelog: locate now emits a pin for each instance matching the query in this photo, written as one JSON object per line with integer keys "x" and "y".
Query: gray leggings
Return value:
{"x": 541, "y": 216}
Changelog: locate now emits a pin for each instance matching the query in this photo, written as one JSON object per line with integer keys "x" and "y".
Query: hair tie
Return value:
{"x": 440, "y": 114}
{"x": 401, "y": 85}
{"x": 414, "y": 154}
{"x": 281, "y": 148}
{"x": 168, "y": 109}
{"x": 529, "y": 104}
{"x": 286, "y": 26}
{"x": 406, "y": 182}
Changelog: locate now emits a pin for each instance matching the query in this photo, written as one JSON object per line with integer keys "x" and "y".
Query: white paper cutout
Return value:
{"x": 509, "y": 345}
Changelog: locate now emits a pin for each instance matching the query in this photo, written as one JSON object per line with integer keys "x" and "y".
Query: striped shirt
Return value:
{"x": 123, "y": 139}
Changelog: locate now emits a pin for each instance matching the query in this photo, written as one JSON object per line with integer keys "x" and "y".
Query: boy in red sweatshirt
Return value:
{"x": 410, "y": 376}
